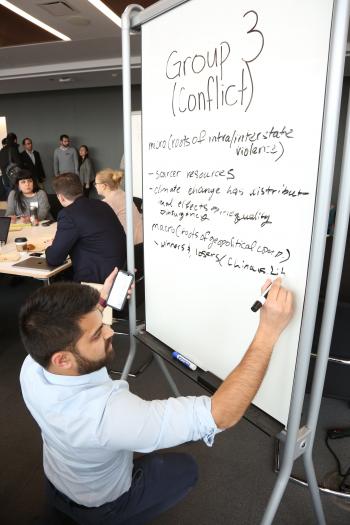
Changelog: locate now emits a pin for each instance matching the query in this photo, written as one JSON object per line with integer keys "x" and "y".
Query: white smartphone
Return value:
{"x": 119, "y": 291}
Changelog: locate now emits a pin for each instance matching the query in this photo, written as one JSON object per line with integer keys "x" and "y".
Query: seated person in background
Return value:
{"x": 91, "y": 425}
{"x": 107, "y": 184}
{"x": 88, "y": 230}
{"x": 25, "y": 193}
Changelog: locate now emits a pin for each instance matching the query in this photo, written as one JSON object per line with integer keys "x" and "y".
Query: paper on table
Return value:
{"x": 9, "y": 257}
{"x": 19, "y": 226}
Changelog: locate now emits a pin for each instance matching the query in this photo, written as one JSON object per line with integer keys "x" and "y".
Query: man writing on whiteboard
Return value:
{"x": 92, "y": 425}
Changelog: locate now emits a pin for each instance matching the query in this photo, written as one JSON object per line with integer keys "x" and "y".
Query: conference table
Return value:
{"x": 39, "y": 237}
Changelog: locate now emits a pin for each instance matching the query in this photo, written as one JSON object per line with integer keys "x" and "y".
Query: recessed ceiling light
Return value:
{"x": 65, "y": 79}
{"x": 35, "y": 21}
{"x": 57, "y": 8}
{"x": 106, "y": 11}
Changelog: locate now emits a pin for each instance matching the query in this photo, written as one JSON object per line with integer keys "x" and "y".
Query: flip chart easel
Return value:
{"x": 297, "y": 440}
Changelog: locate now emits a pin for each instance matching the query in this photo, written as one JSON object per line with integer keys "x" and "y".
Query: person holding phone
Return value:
{"x": 118, "y": 293}
{"x": 25, "y": 194}
{"x": 92, "y": 425}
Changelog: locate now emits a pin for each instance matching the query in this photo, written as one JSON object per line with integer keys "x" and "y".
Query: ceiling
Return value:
{"x": 33, "y": 60}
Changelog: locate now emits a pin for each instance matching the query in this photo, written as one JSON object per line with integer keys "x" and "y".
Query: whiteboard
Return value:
{"x": 232, "y": 110}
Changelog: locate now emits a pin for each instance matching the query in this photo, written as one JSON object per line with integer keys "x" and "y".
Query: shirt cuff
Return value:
{"x": 207, "y": 423}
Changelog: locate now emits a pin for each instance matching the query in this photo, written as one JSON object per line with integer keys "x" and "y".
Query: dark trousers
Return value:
{"x": 159, "y": 481}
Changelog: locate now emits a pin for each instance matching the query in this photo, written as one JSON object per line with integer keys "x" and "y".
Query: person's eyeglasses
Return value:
{"x": 27, "y": 143}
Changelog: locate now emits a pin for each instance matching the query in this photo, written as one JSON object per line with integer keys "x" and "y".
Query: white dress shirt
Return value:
{"x": 91, "y": 425}
{"x": 31, "y": 155}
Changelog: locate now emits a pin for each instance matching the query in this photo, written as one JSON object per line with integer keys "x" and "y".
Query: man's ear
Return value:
{"x": 60, "y": 198}
{"x": 63, "y": 360}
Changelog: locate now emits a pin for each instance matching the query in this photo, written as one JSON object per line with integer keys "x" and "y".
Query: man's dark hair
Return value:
{"x": 64, "y": 136}
{"x": 11, "y": 139}
{"x": 49, "y": 319}
{"x": 4, "y": 141}
{"x": 68, "y": 185}
{"x": 24, "y": 140}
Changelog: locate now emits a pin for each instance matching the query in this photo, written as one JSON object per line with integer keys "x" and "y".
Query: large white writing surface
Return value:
{"x": 232, "y": 103}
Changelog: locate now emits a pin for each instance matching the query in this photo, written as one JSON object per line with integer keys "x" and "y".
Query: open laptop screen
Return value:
{"x": 4, "y": 229}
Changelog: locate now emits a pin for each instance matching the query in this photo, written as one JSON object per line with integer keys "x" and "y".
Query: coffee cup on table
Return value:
{"x": 21, "y": 244}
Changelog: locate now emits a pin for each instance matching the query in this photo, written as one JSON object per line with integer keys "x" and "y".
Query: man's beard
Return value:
{"x": 87, "y": 366}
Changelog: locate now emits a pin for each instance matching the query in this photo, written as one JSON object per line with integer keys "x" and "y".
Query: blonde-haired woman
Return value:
{"x": 107, "y": 184}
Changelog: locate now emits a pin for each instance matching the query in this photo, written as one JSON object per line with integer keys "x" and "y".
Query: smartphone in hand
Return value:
{"x": 119, "y": 291}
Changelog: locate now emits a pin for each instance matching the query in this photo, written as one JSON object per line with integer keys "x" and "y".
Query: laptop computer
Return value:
{"x": 35, "y": 263}
{"x": 4, "y": 229}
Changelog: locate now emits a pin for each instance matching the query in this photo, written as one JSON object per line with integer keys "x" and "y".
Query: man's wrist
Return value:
{"x": 265, "y": 338}
{"x": 102, "y": 302}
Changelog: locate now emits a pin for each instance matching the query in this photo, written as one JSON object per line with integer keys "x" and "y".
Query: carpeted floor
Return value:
{"x": 236, "y": 474}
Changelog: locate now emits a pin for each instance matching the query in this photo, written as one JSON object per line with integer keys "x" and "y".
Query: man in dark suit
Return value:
{"x": 31, "y": 160}
{"x": 88, "y": 230}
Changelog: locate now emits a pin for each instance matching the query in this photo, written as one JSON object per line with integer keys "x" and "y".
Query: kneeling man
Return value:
{"x": 92, "y": 425}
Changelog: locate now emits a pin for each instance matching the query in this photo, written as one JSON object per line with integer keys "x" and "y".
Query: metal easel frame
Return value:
{"x": 126, "y": 30}
{"x": 298, "y": 441}
{"x": 333, "y": 284}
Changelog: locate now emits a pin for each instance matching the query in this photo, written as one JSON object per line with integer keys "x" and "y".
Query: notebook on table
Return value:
{"x": 4, "y": 229}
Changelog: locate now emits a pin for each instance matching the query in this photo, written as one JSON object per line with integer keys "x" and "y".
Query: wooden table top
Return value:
{"x": 39, "y": 237}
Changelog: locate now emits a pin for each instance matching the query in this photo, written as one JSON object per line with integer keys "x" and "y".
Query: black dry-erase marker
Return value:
{"x": 259, "y": 302}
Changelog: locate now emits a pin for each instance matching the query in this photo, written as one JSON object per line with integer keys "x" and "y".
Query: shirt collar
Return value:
{"x": 93, "y": 378}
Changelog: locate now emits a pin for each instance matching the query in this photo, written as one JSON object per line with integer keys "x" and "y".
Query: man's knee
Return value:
{"x": 191, "y": 468}
{"x": 185, "y": 468}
